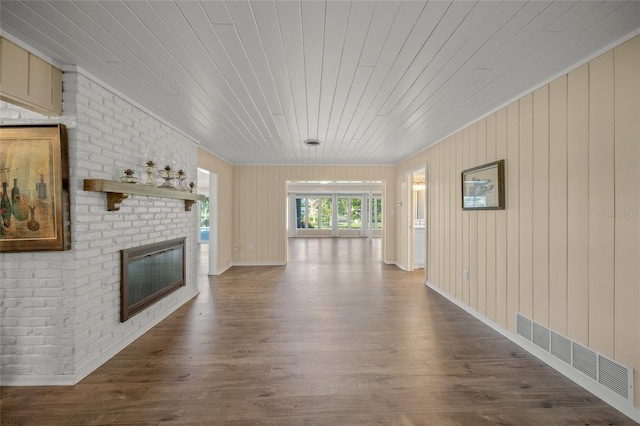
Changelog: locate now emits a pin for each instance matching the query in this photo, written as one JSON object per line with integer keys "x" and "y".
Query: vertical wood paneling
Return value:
{"x": 277, "y": 219}
{"x": 267, "y": 232}
{"x": 482, "y": 226}
{"x": 578, "y": 205}
{"x": 433, "y": 171}
{"x": 558, "y": 205}
{"x": 513, "y": 215}
{"x": 261, "y": 175}
{"x": 457, "y": 273}
{"x": 541, "y": 205}
{"x": 473, "y": 225}
{"x": 627, "y": 207}
{"x": 601, "y": 200}
{"x": 501, "y": 228}
{"x": 453, "y": 204}
{"x": 250, "y": 243}
{"x": 465, "y": 220}
{"x": 271, "y": 216}
{"x": 434, "y": 167}
{"x": 446, "y": 194}
{"x": 565, "y": 251}
{"x": 236, "y": 207}
{"x": 526, "y": 205}
{"x": 245, "y": 220}
{"x": 491, "y": 225}
{"x": 388, "y": 227}
{"x": 433, "y": 265}
{"x": 444, "y": 214}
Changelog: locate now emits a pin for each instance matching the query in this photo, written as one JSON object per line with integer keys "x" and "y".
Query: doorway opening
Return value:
{"x": 208, "y": 223}
{"x": 335, "y": 209}
{"x": 205, "y": 214}
{"x": 415, "y": 229}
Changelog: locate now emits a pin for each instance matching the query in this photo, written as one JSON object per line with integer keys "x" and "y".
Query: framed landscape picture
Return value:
{"x": 34, "y": 174}
{"x": 483, "y": 187}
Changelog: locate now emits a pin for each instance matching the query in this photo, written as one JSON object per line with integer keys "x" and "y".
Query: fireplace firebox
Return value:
{"x": 149, "y": 273}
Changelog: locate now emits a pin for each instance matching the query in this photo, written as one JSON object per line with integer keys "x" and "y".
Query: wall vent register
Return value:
{"x": 605, "y": 371}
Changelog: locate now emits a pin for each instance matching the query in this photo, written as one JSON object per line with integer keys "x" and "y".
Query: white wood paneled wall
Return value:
{"x": 260, "y": 206}
{"x": 566, "y": 250}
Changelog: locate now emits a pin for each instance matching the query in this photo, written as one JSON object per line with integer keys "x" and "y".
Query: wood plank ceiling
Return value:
{"x": 374, "y": 81}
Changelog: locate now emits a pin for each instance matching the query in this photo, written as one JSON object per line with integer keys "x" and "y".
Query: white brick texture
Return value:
{"x": 60, "y": 311}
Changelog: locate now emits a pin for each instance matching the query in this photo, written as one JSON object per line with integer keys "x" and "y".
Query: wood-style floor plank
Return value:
{"x": 334, "y": 338}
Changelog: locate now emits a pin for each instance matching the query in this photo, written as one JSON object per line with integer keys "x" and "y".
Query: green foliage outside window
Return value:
{"x": 325, "y": 213}
{"x": 204, "y": 212}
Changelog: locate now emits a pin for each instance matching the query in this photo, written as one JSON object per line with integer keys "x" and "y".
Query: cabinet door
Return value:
{"x": 28, "y": 81}
{"x": 15, "y": 70}
{"x": 39, "y": 82}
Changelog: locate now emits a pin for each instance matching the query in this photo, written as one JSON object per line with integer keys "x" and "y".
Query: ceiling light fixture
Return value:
{"x": 312, "y": 142}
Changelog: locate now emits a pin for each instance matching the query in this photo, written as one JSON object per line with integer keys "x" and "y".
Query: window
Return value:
{"x": 326, "y": 213}
{"x": 376, "y": 212}
{"x": 332, "y": 213}
{"x": 204, "y": 219}
{"x": 349, "y": 212}
{"x": 313, "y": 212}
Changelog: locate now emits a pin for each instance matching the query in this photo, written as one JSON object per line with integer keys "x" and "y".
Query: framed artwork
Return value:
{"x": 34, "y": 174}
{"x": 483, "y": 187}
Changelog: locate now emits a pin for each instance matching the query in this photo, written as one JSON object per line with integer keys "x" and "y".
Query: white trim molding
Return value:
{"x": 258, "y": 263}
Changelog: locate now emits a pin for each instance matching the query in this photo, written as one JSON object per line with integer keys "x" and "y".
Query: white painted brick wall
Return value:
{"x": 60, "y": 311}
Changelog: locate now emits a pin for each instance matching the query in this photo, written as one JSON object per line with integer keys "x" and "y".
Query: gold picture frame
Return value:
{"x": 34, "y": 201}
{"x": 483, "y": 187}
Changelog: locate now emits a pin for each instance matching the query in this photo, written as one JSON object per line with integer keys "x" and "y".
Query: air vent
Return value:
{"x": 561, "y": 347}
{"x": 523, "y": 326}
{"x": 312, "y": 142}
{"x": 541, "y": 336}
{"x": 585, "y": 360}
{"x": 603, "y": 370}
{"x": 614, "y": 376}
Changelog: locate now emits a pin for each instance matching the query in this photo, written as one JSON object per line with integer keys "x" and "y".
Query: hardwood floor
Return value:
{"x": 333, "y": 338}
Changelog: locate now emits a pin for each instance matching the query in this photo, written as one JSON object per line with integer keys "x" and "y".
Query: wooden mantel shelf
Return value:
{"x": 119, "y": 191}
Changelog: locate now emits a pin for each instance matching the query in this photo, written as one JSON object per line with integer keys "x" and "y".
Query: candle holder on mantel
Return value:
{"x": 192, "y": 187}
{"x": 181, "y": 176}
{"x": 150, "y": 167}
{"x": 128, "y": 176}
{"x": 168, "y": 175}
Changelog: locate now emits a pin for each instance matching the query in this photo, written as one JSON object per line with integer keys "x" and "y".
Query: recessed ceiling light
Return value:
{"x": 312, "y": 142}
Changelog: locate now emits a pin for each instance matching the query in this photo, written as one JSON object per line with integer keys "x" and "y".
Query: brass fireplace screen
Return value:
{"x": 149, "y": 273}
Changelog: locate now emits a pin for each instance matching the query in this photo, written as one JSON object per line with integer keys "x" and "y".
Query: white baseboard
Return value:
{"x": 84, "y": 371}
{"x": 399, "y": 265}
{"x": 220, "y": 272}
{"x": 37, "y": 380}
{"x": 603, "y": 393}
{"x": 259, "y": 263}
